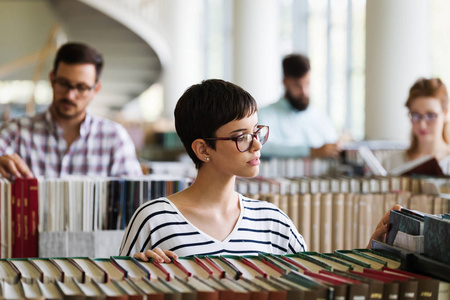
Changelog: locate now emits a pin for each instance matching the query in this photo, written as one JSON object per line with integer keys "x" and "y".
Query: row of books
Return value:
{"x": 344, "y": 274}
{"x": 351, "y": 161}
{"x": 420, "y": 232}
{"x": 343, "y": 184}
{"x": 75, "y": 204}
{"x": 340, "y": 213}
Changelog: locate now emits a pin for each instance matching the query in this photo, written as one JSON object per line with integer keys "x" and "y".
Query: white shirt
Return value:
{"x": 291, "y": 132}
{"x": 261, "y": 227}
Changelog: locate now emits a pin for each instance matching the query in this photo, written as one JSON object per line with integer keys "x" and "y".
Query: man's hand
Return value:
{"x": 382, "y": 227}
{"x": 14, "y": 166}
{"x": 327, "y": 150}
{"x": 158, "y": 254}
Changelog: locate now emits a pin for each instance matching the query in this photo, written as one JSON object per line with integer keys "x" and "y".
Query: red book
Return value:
{"x": 33, "y": 217}
{"x": 17, "y": 219}
{"x": 13, "y": 220}
{"x": 25, "y": 219}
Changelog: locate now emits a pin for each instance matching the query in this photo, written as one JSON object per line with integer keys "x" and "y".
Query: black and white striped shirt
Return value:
{"x": 261, "y": 227}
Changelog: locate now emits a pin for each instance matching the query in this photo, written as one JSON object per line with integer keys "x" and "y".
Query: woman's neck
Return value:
{"x": 210, "y": 188}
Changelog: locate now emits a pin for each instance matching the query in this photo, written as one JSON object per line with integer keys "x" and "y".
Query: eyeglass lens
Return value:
{"x": 428, "y": 117}
{"x": 63, "y": 87}
{"x": 245, "y": 141}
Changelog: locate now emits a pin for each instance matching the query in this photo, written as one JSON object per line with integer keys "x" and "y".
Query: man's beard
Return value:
{"x": 60, "y": 113}
{"x": 301, "y": 103}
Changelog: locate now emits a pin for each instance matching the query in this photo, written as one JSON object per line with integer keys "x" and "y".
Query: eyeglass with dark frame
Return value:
{"x": 245, "y": 140}
{"x": 428, "y": 117}
{"x": 62, "y": 86}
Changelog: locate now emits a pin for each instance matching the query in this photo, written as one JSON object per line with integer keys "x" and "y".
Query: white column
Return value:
{"x": 184, "y": 30}
{"x": 256, "y": 59}
{"x": 397, "y": 53}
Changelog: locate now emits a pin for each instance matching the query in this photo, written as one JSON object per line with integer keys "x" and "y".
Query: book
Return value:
{"x": 50, "y": 291}
{"x": 437, "y": 238}
{"x": 391, "y": 287}
{"x": 329, "y": 261}
{"x": 90, "y": 290}
{"x": 374, "y": 263}
{"x": 404, "y": 222}
{"x": 114, "y": 272}
{"x": 50, "y": 271}
{"x": 145, "y": 287}
{"x": 70, "y": 290}
{"x": 428, "y": 288}
{"x": 28, "y": 271}
{"x": 408, "y": 286}
{"x": 392, "y": 262}
{"x": 92, "y": 270}
{"x": 376, "y": 287}
{"x": 8, "y": 271}
{"x": 33, "y": 215}
{"x": 425, "y": 165}
{"x": 133, "y": 268}
{"x": 70, "y": 268}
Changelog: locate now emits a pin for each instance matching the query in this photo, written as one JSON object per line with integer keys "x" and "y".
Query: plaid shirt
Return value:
{"x": 104, "y": 148}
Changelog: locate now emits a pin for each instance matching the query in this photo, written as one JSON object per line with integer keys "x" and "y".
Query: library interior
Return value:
{"x": 214, "y": 149}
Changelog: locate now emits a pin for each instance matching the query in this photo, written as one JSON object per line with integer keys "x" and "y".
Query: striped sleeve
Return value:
{"x": 267, "y": 223}
{"x": 138, "y": 235}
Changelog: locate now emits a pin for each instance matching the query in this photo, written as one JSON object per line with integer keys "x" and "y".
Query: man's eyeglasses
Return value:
{"x": 61, "y": 86}
{"x": 245, "y": 141}
{"x": 428, "y": 117}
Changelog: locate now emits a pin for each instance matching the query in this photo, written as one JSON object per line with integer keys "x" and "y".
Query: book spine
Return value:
{"x": 33, "y": 207}
{"x": 25, "y": 220}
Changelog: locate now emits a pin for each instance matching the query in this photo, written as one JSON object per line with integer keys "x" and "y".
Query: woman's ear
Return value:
{"x": 201, "y": 149}
{"x": 445, "y": 113}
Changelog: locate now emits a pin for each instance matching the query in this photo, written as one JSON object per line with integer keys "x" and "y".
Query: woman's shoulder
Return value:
{"x": 260, "y": 206}
{"x": 157, "y": 204}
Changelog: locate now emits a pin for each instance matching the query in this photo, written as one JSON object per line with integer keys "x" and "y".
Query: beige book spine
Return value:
{"x": 355, "y": 227}
{"x": 437, "y": 205}
{"x": 315, "y": 222}
{"x": 326, "y": 222}
{"x": 337, "y": 234}
{"x": 364, "y": 223}
{"x": 377, "y": 210}
{"x": 348, "y": 220}
{"x": 445, "y": 205}
{"x": 274, "y": 199}
{"x": 293, "y": 209}
{"x": 389, "y": 201}
{"x": 419, "y": 202}
{"x": 283, "y": 203}
{"x": 305, "y": 218}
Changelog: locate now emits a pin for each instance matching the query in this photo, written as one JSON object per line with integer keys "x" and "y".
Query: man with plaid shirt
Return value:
{"x": 66, "y": 139}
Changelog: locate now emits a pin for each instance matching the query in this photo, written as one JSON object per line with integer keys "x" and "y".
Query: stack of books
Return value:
{"x": 353, "y": 275}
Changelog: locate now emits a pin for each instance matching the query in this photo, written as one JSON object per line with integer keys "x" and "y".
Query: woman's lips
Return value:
{"x": 254, "y": 162}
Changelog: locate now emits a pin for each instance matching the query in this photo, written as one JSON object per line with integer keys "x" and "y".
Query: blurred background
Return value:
{"x": 364, "y": 56}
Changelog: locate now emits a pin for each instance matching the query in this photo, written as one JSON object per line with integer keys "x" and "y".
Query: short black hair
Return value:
{"x": 295, "y": 65}
{"x": 77, "y": 53}
{"x": 205, "y": 107}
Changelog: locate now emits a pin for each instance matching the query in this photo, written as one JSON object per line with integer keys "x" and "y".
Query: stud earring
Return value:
{"x": 207, "y": 158}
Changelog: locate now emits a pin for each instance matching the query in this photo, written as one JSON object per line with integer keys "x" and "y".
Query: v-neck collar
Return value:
{"x": 235, "y": 228}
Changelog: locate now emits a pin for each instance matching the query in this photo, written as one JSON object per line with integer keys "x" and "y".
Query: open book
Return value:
{"x": 425, "y": 165}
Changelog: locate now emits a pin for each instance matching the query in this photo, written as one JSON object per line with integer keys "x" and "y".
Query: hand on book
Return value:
{"x": 14, "y": 166}
{"x": 158, "y": 254}
{"x": 327, "y": 150}
{"x": 382, "y": 227}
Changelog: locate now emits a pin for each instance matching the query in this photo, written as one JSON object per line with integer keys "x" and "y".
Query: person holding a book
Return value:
{"x": 298, "y": 129}
{"x": 218, "y": 124}
{"x": 66, "y": 139}
{"x": 428, "y": 108}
